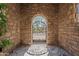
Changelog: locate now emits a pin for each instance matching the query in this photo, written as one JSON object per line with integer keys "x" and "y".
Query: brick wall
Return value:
{"x": 28, "y": 11}
{"x": 62, "y": 29}
{"x": 68, "y": 33}
{"x": 13, "y": 24}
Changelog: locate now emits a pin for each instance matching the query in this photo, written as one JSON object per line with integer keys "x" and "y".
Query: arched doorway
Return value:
{"x": 39, "y": 37}
{"x": 39, "y": 29}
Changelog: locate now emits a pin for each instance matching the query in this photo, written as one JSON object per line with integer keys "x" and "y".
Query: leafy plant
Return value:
{"x": 3, "y": 19}
{"x": 3, "y": 6}
{"x": 5, "y": 42}
{"x": 1, "y": 44}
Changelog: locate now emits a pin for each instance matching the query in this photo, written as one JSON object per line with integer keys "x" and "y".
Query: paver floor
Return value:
{"x": 39, "y": 49}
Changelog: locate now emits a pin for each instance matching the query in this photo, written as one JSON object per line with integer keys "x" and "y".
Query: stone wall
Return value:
{"x": 28, "y": 11}
{"x": 68, "y": 31}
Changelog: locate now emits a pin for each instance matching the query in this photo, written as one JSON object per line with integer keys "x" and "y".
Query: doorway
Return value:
{"x": 39, "y": 29}
{"x": 39, "y": 37}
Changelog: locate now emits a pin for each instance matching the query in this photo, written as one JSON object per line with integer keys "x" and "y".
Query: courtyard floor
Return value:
{"x": 39, "y": 49}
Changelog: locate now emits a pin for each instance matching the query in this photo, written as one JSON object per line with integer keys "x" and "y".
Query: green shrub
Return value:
{"x": 1, "y": 44}
{"x": 5, "y": 42}
{"x": 3, "y": 19}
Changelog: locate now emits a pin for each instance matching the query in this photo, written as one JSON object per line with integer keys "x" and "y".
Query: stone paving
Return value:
{"x": 38, "y": 49}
